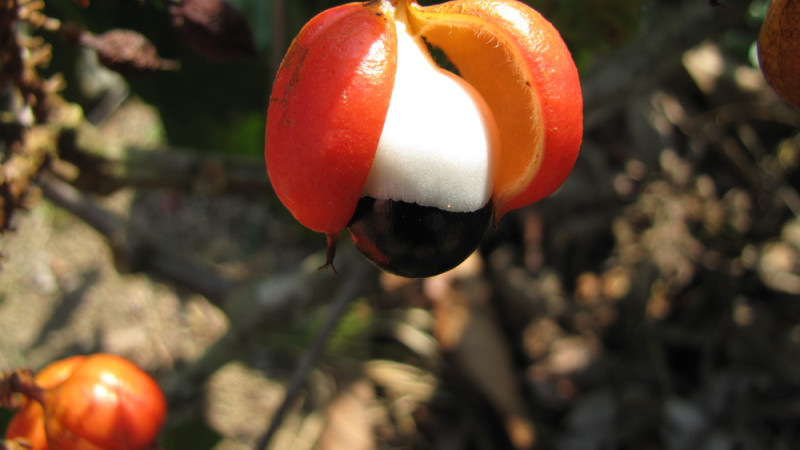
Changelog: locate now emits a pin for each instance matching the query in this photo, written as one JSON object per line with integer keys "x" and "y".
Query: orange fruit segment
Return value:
{"x": 520, "y": 65}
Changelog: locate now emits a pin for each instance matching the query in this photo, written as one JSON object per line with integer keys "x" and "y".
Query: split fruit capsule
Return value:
{"x": 414, "y": 127}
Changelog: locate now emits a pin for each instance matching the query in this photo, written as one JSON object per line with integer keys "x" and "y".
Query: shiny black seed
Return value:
{"x": 416, "y": 241}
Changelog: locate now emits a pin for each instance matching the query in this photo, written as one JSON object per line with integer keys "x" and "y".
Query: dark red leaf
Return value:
{"x": 215, "y": 29}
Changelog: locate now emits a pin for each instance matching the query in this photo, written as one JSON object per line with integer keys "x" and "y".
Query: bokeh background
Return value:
{"x": 653, "y": 302}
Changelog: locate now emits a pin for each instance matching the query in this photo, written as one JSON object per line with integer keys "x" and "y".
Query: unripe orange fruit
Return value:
{"x": 779, "y": 49}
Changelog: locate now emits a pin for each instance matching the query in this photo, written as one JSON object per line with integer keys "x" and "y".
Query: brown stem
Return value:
{"x": 26, "y": 387}
{"x": 142, "y": 254}
{"x": 330, "y": 251}
{"x": 279, "y": 37}
{"x": 338, "y": 307}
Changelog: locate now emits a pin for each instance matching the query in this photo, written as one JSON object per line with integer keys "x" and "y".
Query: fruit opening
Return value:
{"x": 437, "y": 144}
{"x": 485, "y": 58}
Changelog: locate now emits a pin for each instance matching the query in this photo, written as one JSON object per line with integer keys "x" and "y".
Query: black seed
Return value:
{"x": 440, "y": 58}
{"x": 416, "y": 241}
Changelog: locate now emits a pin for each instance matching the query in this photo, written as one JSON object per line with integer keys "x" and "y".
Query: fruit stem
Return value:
{"x": 26, "y": 387}
{"x": 330, "y": 252}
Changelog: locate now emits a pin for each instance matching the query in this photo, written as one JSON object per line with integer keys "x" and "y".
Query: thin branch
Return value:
{"x": 258, "y": 306}
{"x": 105, "y": 169}
{"x": 264, "y": 303}
{"x": 134, "y": 255}
{"x": 279, "y": 38}
{"x": 74, "y": 201}
{"x": 337, "y": 310}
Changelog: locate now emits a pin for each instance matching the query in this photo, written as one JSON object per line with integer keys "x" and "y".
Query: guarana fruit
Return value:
{"x": 415, "y": 127}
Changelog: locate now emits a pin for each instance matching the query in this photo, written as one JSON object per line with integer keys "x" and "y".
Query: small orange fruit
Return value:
{"x": 95, "y": 402}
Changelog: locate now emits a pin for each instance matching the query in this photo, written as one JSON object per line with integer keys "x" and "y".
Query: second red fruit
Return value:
{"x": 94, "y": 402}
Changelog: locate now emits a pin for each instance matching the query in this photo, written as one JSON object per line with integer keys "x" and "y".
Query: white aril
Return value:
{"x": 436, "y": 144}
